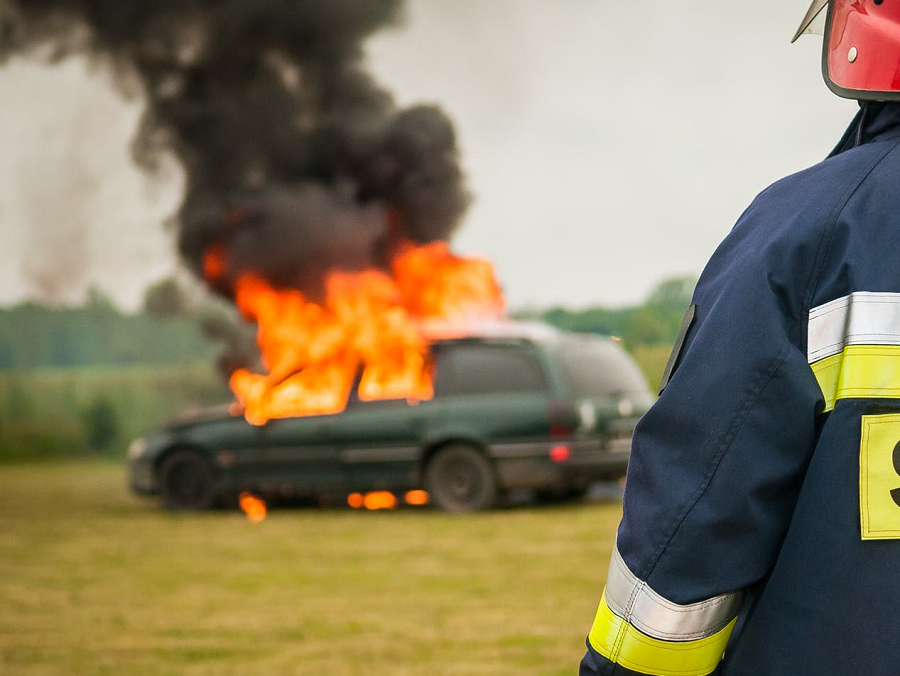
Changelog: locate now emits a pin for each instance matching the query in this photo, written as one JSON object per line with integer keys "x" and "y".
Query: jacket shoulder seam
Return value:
{"x": 812, "y": 285}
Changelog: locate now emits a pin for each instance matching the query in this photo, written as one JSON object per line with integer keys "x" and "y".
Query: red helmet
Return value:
{"x": 861, "y": 55}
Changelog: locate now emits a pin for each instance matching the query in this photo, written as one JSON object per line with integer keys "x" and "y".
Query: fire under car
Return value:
{"x": 526, "y": 408}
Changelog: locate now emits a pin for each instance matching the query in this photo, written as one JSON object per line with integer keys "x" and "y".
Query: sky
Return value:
{"x": 608, "y": 145}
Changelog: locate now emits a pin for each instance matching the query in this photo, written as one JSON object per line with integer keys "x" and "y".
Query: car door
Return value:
{"x": 300, "y": 453}
{"x": 380, "y": 442}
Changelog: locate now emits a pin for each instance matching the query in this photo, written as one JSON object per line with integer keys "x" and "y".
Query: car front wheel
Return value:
{"x": 186, "y": 482}
{"x": 460, "y": 479}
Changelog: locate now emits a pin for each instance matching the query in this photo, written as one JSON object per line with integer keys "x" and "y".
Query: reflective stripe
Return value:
{"x": 860, "y": 372}
{"x": 633, "y": 600}
{"x": 641, "y": 630}
{"x": 621, "y": 643}
{"x": 862, "y": 318}
{"x": 853, "y": 347}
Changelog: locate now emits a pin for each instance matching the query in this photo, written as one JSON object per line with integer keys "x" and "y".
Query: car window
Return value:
{"x": 481, "y": 368}
{"x": 598, "y": 367}
{"x": 355, "y": 402}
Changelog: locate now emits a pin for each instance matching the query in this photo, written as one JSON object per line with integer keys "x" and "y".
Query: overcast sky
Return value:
{"x": 608, "y": 145}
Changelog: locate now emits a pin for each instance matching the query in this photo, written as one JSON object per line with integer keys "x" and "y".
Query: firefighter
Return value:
{"x": 761, "y": 525}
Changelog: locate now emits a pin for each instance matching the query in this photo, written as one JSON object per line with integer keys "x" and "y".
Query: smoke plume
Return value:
{"x": 296, "y": 160}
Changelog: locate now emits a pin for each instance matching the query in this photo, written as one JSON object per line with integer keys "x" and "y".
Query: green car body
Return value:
{"x": 525, "y": 408}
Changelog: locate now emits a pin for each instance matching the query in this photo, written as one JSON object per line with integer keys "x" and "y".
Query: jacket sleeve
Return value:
{"x": 716, "y": 463}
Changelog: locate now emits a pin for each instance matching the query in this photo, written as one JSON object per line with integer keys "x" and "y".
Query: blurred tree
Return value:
{"x": 100, "y": 304}
{"x": 674, "y": 292}
{"x": 645, "y": 326}
{"x": 165, "y": 299}
{"x": 97, "y": 333}
{"x": 101, "y": 424}
{"x": 654, "y": 322}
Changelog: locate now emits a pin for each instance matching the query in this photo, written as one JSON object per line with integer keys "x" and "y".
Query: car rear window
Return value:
{"x": 597, "y": 367}
{"x": 484, "y": 368}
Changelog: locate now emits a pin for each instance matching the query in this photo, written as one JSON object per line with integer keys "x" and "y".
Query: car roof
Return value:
{"x": 494, "y": 330}
{"x": 510, "y": 331}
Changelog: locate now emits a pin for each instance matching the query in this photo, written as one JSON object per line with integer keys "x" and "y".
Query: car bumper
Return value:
{"x": 529, "y": 466}
{"x": 142, "y": 477}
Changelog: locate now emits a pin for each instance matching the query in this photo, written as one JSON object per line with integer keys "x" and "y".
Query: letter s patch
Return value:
{"x": 879, "y": 477}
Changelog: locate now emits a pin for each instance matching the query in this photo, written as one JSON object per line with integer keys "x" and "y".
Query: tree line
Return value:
{"x": 653, "y": 323}
{"x": 97, "y": 333}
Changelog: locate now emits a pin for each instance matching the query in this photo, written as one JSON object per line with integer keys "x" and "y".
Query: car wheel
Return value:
{"x": 186, "y": 482}
{"x": 460, "y": 479}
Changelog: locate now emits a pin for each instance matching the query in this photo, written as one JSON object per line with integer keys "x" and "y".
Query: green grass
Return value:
{"x": 96, "y": 581}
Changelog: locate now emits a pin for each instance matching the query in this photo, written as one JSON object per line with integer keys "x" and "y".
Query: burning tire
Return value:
{"x": 186, "y": 482}
{"x": 460, "y": 479}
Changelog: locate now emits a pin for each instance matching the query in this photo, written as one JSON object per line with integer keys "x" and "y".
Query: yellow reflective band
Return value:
{"x": 859, "y": 372}
{"x": 828, "y": 373}
{"x": 619, "y": 642}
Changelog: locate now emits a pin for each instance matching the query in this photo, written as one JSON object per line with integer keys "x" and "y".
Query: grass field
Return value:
{"x": 94, "y": 581}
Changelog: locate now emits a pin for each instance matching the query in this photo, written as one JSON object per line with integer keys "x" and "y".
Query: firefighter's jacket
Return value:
{"x": 762, "y": 504}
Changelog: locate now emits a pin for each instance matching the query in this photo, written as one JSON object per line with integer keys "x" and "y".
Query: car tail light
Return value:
{"x": 563, "y": 419}
{"x": 560, "y": 453}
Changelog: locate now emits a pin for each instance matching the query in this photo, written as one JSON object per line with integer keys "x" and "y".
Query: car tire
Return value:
{"x": 460, "y": 479}
{"x": 186, "y": 482}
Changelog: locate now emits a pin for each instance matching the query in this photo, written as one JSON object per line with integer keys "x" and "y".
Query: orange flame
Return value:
{"x": 214, "y": 262}
{"x": 253, "y": 507}
{"x": 385, "y": 499}
{"x": 438, "y": 285}
{"x": 416, "y": 498}
{"x": 379, "y": 500}
{"x": 370, "y": 323}
{"x": 373, "y": 500}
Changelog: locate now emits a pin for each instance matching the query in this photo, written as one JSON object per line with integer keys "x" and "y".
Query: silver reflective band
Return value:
{"x": 862, "y": 318}
{"x": 636, "y": 603}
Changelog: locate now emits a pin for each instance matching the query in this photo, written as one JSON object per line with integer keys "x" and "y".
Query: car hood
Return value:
{"x": 197, "y": 416}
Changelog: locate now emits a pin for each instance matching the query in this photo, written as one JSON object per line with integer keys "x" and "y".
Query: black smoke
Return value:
{"x": 296, "y": 160}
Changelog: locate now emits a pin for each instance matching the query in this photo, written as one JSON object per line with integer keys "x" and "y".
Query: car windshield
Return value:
{"x": 598, "y": 367}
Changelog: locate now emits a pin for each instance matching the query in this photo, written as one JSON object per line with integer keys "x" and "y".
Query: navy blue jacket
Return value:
{"x": 762, "y": 504}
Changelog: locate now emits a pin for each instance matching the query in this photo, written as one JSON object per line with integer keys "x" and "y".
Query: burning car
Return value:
{"x": 514, "y": 407}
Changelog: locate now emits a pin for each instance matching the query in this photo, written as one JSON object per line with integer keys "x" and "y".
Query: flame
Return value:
{"x": 379, "y": 500}
{"x": 253, "y": 507}
{"x": 372, "y": 501}
{"x": 215, "y": 262}
{"x": 371, "y": 323}
{"x": 376, "y": 500}
{"x": 416, "y": 498}
{"x": 438, "y": 285}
